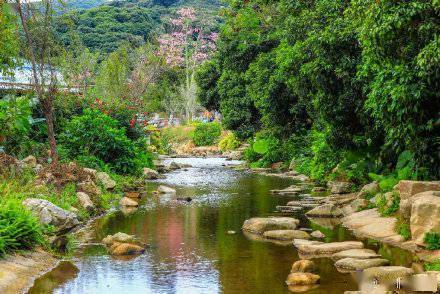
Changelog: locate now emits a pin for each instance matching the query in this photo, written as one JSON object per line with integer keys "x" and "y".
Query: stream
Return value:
{"x": 191, "y": 250}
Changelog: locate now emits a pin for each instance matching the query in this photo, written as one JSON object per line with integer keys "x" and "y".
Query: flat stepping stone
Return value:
{"x": 356, "y": 253}
{"x": 259, "y": 225}
{"x": 298, "y": 242}
{"x": 328, "y": 248}
{"x": 286, "y": 235}
{"x": 354, "y": 264}
{"x": 325, "y": 210}
{"x": 386, "y": 274}
{"x": 288, "y": 208}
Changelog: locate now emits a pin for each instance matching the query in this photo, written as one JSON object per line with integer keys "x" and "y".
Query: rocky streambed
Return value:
{"x": 206, "y": 228}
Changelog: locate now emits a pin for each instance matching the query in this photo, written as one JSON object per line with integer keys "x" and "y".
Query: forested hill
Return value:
{"x": 86, "y": 4}
{"x": 103, "y": 26}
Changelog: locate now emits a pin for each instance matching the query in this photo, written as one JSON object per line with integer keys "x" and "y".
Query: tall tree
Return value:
{"x": 186, "y": 46}
{"x": 37, "y": 23}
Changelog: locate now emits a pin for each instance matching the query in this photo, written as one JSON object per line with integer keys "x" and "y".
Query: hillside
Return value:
{"x": 103, "y": 26}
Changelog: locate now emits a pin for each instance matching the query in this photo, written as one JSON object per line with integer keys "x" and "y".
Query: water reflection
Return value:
{"x": 190, "y": 249}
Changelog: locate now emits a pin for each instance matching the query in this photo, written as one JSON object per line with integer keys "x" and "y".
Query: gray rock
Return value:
{"x": 89, "y": 188}
{"x": 50, "y": 214}
{"x": 84, "y": 201}
{"x": 106, "y": 180}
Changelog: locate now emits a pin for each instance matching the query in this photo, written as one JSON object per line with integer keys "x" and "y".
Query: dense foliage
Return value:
{"x": 96, "y": 140}
{"x": 356, "y": 80}
{"x": 206, "y": 134}
{"x": 19, "y": 229}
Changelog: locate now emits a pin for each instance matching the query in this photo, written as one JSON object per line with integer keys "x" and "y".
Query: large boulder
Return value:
{"x": 325, "y": 210}
{"x": 386, "y": 274}
{"x": 259, "y": 225}
{"x": 50, "y": 214}
{"x": 355, "y": 264}
{"x": 106, "y": 180}
{"x": 406, "y": 204}
{"x": 328, "y": 248}
{"x": 339, "y": 187}
{"x": 84, "y": 201}
{"x": 407, "y": 188}
{"x": 89, "y": 188}
{"x": 425, "y": 217}
{"x": 286, "y": 234}
{"x": 165, "y": 190}
{"x": 356, "y": 205}
{"x": 302, "y": 279}
{"x": 303, "y": 266}
{"x": 355, "y": 253}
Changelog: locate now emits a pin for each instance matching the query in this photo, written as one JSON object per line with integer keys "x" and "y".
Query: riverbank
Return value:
{"x": 19, "y": 271}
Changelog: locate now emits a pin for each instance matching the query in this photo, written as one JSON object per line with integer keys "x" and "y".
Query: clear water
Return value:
{"x": 190, "y": 248}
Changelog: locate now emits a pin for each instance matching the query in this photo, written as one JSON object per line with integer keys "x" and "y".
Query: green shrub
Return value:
{"x": 432, "y": 266}
{"x": 432, "y": 240}
{"x": 403, "y": 229}
{"x": 229, "y": 142}
{"x": 15, "y": 113}
{"x": 386, "y": 209}
{"x": 96, "y": 138}
{"x": 206, "y": 134}
{"x": 19, "y": 229}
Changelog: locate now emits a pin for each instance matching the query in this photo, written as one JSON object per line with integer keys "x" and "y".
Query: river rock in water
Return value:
{"x": 118, "y": 237}
{"x": 328, "y": 248}
{"x": 356, "y": 253}
{"x": 50, "y": 214}
{"x": 165, "y": 190}
{"x": 325, "y": 210}
{"x": 125, "y": 249}
{"x": 339, "y": 187}
{"x": 260, "y": 225}
{"x": 286, "y": 234}
{"x": 303, "y": 266}
{"x": 355, "y": 264}
{"x": 125, "y": 201}
{"x": 295, "y": 279}
{"x": 150, "y": 174}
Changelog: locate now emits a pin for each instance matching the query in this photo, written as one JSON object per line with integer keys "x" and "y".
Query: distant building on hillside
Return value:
{"x": 22, "y": 79}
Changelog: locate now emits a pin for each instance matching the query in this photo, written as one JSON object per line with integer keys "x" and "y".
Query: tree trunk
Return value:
{"x": 46, "y": 102}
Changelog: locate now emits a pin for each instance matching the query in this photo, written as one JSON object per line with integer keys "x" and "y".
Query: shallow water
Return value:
{"x": 190, "y": 249}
